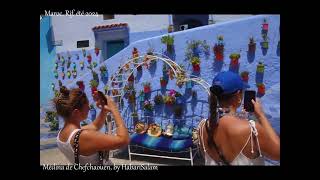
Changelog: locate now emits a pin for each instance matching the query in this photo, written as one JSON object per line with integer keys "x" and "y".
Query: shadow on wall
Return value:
{"x": 153, "y": 68}
{"x": 234, "y": 68}
{"x": 217, "y": 65}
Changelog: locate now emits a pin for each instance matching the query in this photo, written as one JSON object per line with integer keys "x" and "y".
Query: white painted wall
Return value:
{"x": 71, "y": 29}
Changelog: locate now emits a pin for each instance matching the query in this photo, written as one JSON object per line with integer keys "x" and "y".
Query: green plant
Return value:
{"x": 95, "y": 75}
{"x": 148, "y": 105}
{"x": 234, "y": 56}
{"x": 94, "y": 64}
{"x": 54, "y": 125}
{"x": 93, "y": 83}
{"x": 169, "y": 40}
{"x": 91, "y": 106}
{"x": 103, "y": 68}
{"x": 169, "y": 100}
{"x": 158, "y": 99}
{"x": 50, "y": 116}
{"x": 195, "y": 60}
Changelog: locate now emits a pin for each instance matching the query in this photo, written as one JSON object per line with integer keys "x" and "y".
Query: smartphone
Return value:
{"x": 103, "y": 98}
{"x": 248, "y": 96}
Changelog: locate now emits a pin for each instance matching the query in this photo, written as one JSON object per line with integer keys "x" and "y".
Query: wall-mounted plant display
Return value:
{"x": 261, "y": 89}
{"x": 195, "y": 61}
{"x": 163, "y": 82}
{"x": 55, "y": 73}
{"x": 68, "y": 63}
{"x": 218, "y": 49}
{"x": 74, "y": 66}
{"x": 68, "y": 74}
{"x": 260, "y": 67}
{"x": 148, "y": 106}
{"x": 169, "y": 41}
{"x": 89, "y": 58}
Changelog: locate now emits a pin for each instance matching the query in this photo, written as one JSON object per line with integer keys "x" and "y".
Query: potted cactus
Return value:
{"x": 234, "y": 59}
{"x": 163, "y": 82}
{"x": 80, "y": 85}
{"x": 195, "y": 61}
{"x": 89, "y": 58}
{"x": 169, "y": 41}
{"x": 93, "y": 84}
{"x": 158, "y": 100}
{"x": 260, "y": 67}
{"x": 261, "y": 89}
{"x": 251, "y": 45}
{"x": 218, "y": 49}
{"x": 93, "y": 112}
{"x": 96, "y": 50}
{"x": 245, "y": 76}
{"x": 68, "y": 74}
{"x": 146, "y": 87}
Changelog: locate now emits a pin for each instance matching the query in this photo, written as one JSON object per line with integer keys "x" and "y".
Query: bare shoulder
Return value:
{"x": 234, "y": 126}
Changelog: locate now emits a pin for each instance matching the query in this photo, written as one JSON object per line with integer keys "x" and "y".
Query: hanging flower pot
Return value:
{"x": 169, "y": 100}
{"x": 234, "y": 59}
{"x": 52, "y": 86}
{"x": 158, "y": 100}
{"x": 68, "y": 74}
{"x": 245, "y": 76}
{"x": 96, "y": 50}
{"x": 265, "y": 25}
{"x": 89, "y": 58}
{"x": 218, "y": 49}
{"x": 62, "y": 75}
{"x": 84, "y": 52}
{"x": 261, "y": 89}
{"x": 141, "y": 96}
{"x": 56, "y": 65}
{"x": 260, "y": 67}
{"x": 196, "y": 67}
{"x": 68, "y": 64}
{"x": 74, "y": 74}
{"x": 131, "y": 78}
{"x": 74, "y": 66}
{"x": 80, "y": 85}
{"x": 251, "y": 46}
{"x": 60, "y": 83}
{"x": 94, "y": 84}
{"x": 81, "y": 65}
{"x": 139, "y": 68}
{"x": 94, "y": 64}
{"x": 62, "y": 68}
{"x": 163, "y": 82}
{"x": 146, "y": 87}
{"x": 265, "y": 44}
{"x": 195, "y": 61}
{"x": 55, "y": 74}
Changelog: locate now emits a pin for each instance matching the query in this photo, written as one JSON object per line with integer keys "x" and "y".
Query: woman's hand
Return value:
{"x": 111, "y": 107}
{"x": 257, "y": 108}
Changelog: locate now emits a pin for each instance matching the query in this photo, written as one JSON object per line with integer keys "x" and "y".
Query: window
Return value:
{"x": 82, "y": 44}
{"x": 108, "y": 16}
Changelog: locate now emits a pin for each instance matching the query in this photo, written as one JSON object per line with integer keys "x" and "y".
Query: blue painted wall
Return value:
{"x": 135, "y": 36}
{"x": 47, "y": 54}
{"x": 236, "y": 36}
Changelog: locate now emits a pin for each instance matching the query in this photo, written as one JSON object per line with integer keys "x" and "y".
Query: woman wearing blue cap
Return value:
{"x": 227, "y": 139}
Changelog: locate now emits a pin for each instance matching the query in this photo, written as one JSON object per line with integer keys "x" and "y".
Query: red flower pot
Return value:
{"x": 196, "y": 67}
{"x": 93, "y": 89}
{"x": 146, "y": 89}
{"x": 234, "y": 61}
{"x": 96, "y": 50}
{"x": 245, "y": 78}
{"x": 131, "y": 78}
{"x": 261, "y": 89}
{"x": 89, "y": 59}
{"x": 265, "y": 26}
{"x": 218, "y": 52}
{"x": 163, "y": 83}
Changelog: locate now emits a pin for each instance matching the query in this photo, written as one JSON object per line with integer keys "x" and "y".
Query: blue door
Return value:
{"x": 113, "y": 47}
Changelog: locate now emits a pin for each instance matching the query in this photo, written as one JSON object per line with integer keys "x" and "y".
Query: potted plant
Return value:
{"x": 84, "y": 52}
{"x": 80, "y": 85}
{"x": 158, "y": 100}
{"x": 132, "y": 97}
{"x": 94, "y": 64}
{"x": 169, "y": 100}
{"x": 234, "y": 59}
{"x": 163, "y": 82}
{"x": 195, "y": 61}
{"x": 60, "y": 83}
{"x": 74, "y": 66}
{"x": 68, "y": 74}
{"x": 261, "y": 88}
{"x": 54, "y": 125}
{"x": 96, "y": 50}
{"x": 260, "y": 67}
{"x": 58, "y": 55}
{"x": 52, "y": 86}
{"x": 74, "y": 73}
{"x": 169, "y": 41}
{"x": 62, "y": 75}
{"x": 62, "y": 68}
{"x": 55, "y": 72}
{"x": 147, "y": 105}
{"x": 141, "y": 96}
{"x": 56, "y": 65}
{"x": 135, "y": 118}
{"x": 106, "y": 88}
{"x": 68, "y": 63}
{"x": 218, "y": 49}
{"x": 81, "y": 65}
{"x": 252, "y": 45}
{"x": 93, "y": 112}
{"x": 265, "y": 26}
{"x": 95, "y": 76}
{"x": 245, "y": 76}
{"x": 93, "y": 84}
{"x": 62, "y": 61}
{"x": 89, "y": 58}
{"x": 146, "y": 87}
{"x": 265, "y": 43}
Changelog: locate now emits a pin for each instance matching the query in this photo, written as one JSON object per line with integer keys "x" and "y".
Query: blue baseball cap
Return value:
{"x": 230, "y": 82}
